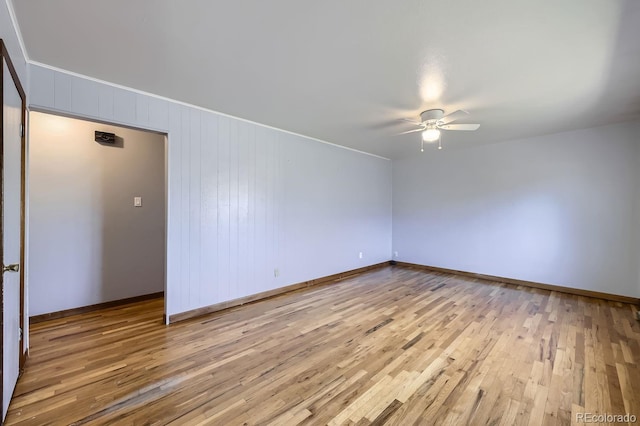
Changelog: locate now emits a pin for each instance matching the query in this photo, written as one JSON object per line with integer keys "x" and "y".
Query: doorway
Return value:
{"x": 97, "y": 215}
{"x": 12, "y": 177}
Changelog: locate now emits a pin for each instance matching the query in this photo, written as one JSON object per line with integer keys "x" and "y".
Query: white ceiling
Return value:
{"x": 345, "y": 71}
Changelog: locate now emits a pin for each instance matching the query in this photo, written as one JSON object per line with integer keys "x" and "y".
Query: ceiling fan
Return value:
{"x": 434, "y": 120}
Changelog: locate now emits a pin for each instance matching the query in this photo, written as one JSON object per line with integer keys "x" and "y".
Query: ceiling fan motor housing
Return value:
{"x": 431, "y": 115}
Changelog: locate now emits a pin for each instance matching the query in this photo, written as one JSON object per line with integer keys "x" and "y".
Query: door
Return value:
{"x": 11, "y": 229}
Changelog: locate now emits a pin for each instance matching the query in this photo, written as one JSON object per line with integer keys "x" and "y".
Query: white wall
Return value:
{"x": 243, "y": 199}
{"x": 89, "y": 244}
{"x": 340, "y": 203}
{"x": 559, "y": 209}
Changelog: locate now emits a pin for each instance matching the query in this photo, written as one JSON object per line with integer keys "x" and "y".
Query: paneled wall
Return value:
{"x": 250, "y": 208}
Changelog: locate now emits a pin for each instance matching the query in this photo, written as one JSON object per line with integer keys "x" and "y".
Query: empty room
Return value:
{"x": 328, "y": 213}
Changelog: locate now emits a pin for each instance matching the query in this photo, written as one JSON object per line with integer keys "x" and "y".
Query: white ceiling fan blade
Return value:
{"x": 408, "y": 120}
{"x": 410, "y": 131}
{"x": 455, "y": 115}
{"x": 467, "y": 127}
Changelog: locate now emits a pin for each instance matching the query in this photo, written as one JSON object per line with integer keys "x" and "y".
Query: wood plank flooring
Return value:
{"x": 393, "y": 346}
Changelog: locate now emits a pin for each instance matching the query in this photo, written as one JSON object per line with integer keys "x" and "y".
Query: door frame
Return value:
{"x": 4, "y": 54}
{"x": 165, "y": 134}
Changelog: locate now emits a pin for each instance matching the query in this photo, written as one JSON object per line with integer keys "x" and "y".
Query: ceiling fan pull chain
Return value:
{"x": 421, "y": 145}
{"x": 439, "y": 143}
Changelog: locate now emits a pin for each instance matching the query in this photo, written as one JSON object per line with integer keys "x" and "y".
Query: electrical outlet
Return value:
{"x": 276, "y": 272}
{"x": 137, "y": 201}
{"x": 395, "y": 254}
{"x": 360, "y": 255}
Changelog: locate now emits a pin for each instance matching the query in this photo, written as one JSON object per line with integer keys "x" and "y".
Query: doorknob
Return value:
{"x": 14, "y": 267}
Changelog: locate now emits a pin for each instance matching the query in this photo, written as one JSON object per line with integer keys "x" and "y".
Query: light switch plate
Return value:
{"x": 137, "y": 201}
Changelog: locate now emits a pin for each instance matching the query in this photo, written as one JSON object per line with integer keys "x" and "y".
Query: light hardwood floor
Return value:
{"x": 392, "y": 346}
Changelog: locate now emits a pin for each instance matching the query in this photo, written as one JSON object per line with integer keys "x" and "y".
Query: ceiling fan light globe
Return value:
{"x": 430, "y": 135}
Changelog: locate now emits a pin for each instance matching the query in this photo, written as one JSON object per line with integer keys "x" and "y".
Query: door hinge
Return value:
{"x": 21, "y": 130}
{"x": 19, "y": 333}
